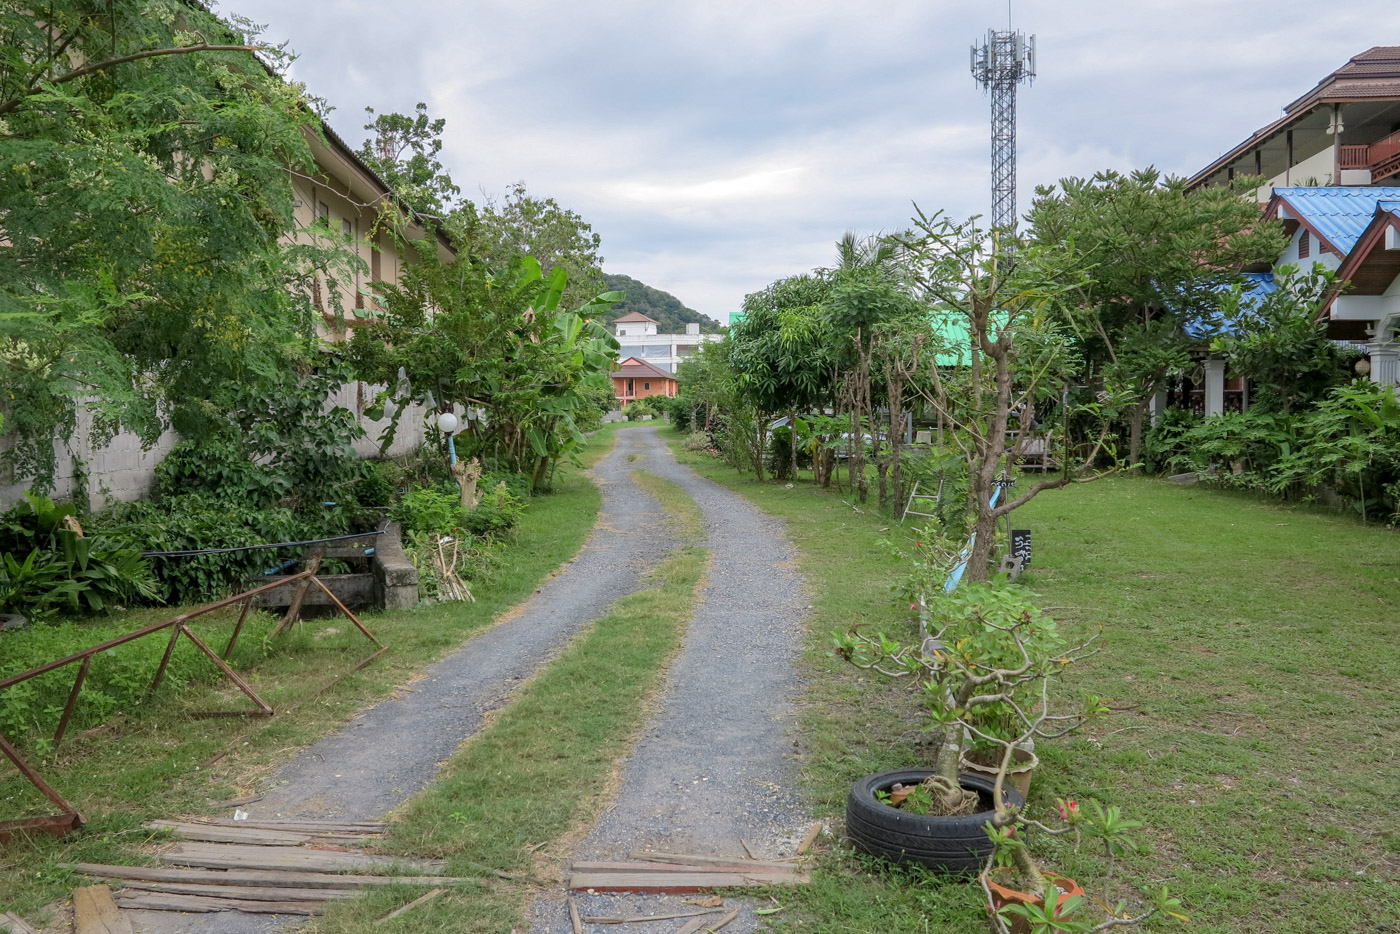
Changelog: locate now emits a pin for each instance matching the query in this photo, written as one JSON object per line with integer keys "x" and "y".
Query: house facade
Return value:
{"x": 639, "y": 339}
{"x": 639, "y": 379}
{"x": 1345, "y": 131}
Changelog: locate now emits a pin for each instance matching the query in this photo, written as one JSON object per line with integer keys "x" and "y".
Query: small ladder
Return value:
{"x": 914, "y": 494}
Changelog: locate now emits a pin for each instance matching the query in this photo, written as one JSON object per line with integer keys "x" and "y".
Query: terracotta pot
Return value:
{"x": 1018, "y": 776}
{"x": 1003, "y": 896}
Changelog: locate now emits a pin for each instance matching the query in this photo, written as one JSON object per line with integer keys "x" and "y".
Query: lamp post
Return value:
{"x": 447, "y": 424}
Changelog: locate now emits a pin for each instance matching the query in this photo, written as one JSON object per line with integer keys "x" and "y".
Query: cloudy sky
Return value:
{"x": 719, "y": 145}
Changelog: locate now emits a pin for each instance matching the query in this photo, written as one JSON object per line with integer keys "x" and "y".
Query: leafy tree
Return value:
{"x": 1278, "y": 342}
{"x": 670, "y": 315}
{"x": 144, "y": 189}
{"x": 1159, "y": 256}
{"x": 403, "y": 150}
{"x": 558, "y": 238}
{"x": 1015, "y": 357}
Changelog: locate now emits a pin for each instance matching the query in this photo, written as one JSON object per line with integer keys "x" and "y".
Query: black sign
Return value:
{"x": 1021, "y": 546}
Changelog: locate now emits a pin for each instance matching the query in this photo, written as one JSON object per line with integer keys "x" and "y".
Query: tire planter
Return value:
{"x": 951, "y": 845}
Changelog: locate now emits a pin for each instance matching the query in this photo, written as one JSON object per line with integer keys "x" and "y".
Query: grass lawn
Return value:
{"x": 161, "y": 762}
{"x": 1259, "y": 643}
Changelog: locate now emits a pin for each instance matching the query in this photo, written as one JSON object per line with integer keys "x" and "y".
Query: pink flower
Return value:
{"x": 913, "y": 606}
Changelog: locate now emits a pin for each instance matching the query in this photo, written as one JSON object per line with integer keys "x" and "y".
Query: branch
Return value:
{"x": 14, "y": 102}
{"x": 1115, "y": 922}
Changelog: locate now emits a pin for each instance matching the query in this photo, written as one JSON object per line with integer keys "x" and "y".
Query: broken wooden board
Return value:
{"x": 257, "y": 836}
{"x": 302, "y": 826}
{"x": 14, "y": 924}
{"x": 672, "y": 882}
{"x": 161, "y": 901}
{"x": 243, "y": 856}
{"x": 319, "y": 880}
{"x": 257, "y": 893}
{"x": 94, "y": 912}
{"x": 659, "y": 861}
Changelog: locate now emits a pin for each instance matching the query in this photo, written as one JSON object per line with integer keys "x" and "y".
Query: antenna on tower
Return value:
{"x": 1005, "y": 59}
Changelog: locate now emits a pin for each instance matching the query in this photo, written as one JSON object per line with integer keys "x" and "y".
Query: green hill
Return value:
{"x": 665, "y": 309}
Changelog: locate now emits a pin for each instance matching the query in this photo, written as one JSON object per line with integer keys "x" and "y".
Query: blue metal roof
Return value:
{"x": 1256, "y": 286}
{"x": 1339, "y": 214}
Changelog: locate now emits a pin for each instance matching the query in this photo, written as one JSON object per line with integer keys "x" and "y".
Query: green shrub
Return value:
{"x": 429, "y": 509}
{"x": 635, "y": 411}
{"x": 49, "y": 566}
{"x": 1166, "y": 447}
{"x": 697, "y": 441}
{"x": 498, "y": 511}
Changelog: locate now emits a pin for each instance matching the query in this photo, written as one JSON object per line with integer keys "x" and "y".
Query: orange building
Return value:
{"x": 637, "y": 379}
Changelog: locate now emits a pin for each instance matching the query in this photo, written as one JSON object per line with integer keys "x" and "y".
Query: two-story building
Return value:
{"x": 639, "y": 338}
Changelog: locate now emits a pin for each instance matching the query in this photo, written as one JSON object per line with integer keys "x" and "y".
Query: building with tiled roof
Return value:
{"x": 639, "y": 338}
{"x": 637, "y": 379}
{"x": 1345, "y": 131}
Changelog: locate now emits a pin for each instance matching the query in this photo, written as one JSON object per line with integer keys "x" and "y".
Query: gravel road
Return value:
{"x": 392, "y": 750}
{"x": 716, "y": 767}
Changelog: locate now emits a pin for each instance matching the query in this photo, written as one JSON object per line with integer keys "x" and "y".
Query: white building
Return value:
{"x": 638, "y": 337}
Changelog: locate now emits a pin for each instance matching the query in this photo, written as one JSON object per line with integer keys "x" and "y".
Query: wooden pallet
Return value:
{"x": 262, "y": 867}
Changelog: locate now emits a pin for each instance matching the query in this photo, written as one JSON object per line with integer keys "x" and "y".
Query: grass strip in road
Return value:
{"x": 517, "y": 795}
{"x": 157, "y": 762}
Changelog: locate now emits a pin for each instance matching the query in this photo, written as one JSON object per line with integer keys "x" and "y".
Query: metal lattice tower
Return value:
{"x": 1004, "y": 60}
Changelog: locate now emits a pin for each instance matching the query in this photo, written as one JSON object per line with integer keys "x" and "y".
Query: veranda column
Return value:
{"x": 1157, "y": 404}
{"x": 1215, "y": 386}
{"x": 1385, "y": 363}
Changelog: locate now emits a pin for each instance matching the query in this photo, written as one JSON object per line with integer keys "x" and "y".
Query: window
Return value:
{"x": 646, "y": 386}
{"x": 323, "y": 213}
{"x": 348, "y": 229}
{"x": 631, "y": 390}
{"x": 656, "y": 350}
{"x": 1304, "y": 245}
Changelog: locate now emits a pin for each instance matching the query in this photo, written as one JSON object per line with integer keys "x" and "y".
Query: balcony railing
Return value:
{"x": 1382, "y": 157}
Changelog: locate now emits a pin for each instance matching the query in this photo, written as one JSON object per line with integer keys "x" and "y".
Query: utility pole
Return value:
{"x": 1004, "y": 60}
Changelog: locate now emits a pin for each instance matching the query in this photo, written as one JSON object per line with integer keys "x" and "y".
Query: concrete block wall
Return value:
{"x": 123, "y": 471}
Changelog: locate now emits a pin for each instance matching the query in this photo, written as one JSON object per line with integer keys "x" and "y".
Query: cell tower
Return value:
{"x": 1004, "y": 60}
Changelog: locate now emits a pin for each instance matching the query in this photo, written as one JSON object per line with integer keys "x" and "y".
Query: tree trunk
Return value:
{"x": 792, "y": 442}
{"x": 1135, "y": 419}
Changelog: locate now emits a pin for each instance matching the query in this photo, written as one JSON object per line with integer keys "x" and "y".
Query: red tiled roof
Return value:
{"x": 633, "y": 316}
{"x": 640, "y": 369}
{"x": 1374, "y": 73}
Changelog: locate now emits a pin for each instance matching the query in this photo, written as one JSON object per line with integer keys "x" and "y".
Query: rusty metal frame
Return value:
{"x": 69, "y": 819}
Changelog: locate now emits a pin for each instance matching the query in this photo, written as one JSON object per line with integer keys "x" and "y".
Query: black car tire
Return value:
{"x": 952, "y": 845}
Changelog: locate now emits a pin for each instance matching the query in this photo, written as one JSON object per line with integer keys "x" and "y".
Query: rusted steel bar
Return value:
{"x": 169, "y": 651}
{"x": 313, "y": 564}
{"x": 232, "y": 675}
{"x": 59, "y": 825}
{"x": 144, "y": 631}
{"x": 28, "y": 772}
{"x": 346, "y": 610}
{"x": 72, "y": 701}
{"x": 237, "y": 627}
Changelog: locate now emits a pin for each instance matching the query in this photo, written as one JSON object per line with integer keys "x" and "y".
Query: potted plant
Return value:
{"x": 983, "y": 663}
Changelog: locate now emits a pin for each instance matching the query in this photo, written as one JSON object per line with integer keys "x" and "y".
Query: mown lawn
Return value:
{"x": 163, "y": 762}
{"x": 1258, "y": 646}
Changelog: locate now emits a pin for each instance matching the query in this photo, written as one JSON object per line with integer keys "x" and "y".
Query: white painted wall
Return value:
{"x": 1290, "y": 255}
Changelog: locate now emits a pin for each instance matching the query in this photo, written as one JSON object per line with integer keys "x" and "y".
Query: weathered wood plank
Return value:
{"x": 738, "y": 866}
{"x": 290, "y": 879}
{"x": 160, "y": 901}
{"x": 677, "y": 883}
{"x": 686, "y": 859}
{"x": 258, "y": 893}
{"x": 257, "y": 836}
{"x": 94, "y": 912}
{"x": 14, "y": 924}
{"x": 240, "y": 856}
{"x": 304, "y": 826}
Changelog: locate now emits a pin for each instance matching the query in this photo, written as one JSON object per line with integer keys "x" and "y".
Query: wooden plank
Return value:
{"x": 642, "y": 919}
{"x": 413, "y": 904}
{"x": 241, "y": 856}
{"x": 752, "y": 868}
{"x": 303, "y": 826}
{"x": 258, "y": 836}
{"x": 676, "y": 883}
{"x": 14, "y": 924}
{"x": 695, "y": 925}
{"x": 319, "y": 880}
{"x": 258, "y": 893}
{"x": 161, "y": 901}
{"x": 94, "y": 912}
{"x": 702, "y": 863}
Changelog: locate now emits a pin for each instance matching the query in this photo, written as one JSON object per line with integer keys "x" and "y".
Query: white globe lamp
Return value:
{"x": 447, "y": 423}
